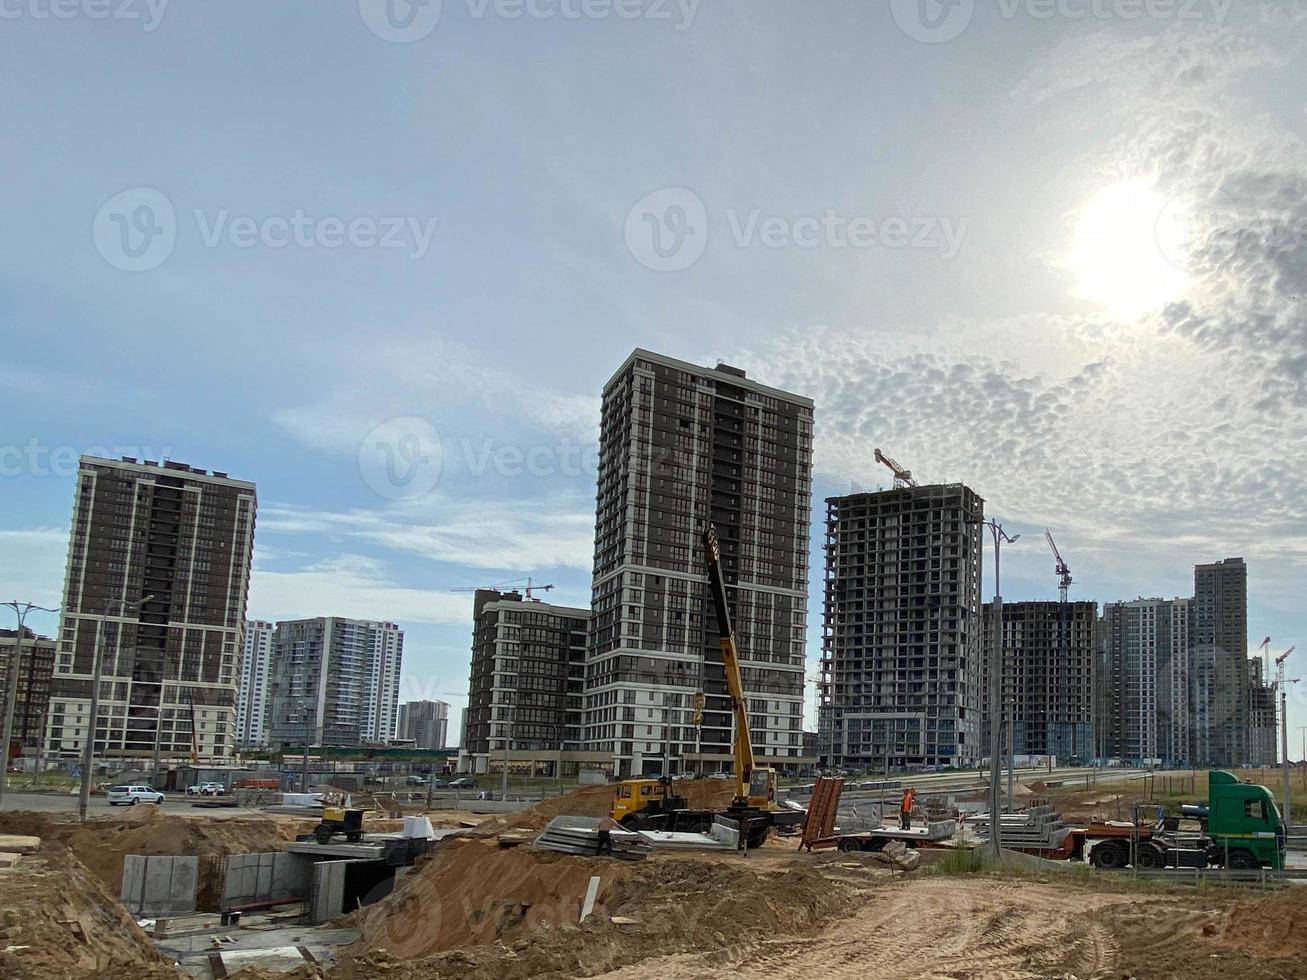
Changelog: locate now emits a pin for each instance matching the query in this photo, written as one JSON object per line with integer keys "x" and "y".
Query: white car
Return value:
{"x": 131, "y": 795}
{"x": 206, "y": 789}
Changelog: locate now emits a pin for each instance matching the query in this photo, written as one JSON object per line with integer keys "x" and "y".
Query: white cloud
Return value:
{"x": 523, "y": 535}
{"x": 352, "y": 586}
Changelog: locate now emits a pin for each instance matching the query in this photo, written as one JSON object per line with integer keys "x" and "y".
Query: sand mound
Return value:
{"x": 102, "y": 844}
{"x": 679, "y": 906}
{"x": 1272, "y": 926}
{"x": 472, "y": 892}
{"x": 70, "y": 923}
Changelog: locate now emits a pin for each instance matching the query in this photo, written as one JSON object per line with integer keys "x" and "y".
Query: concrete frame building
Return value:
{"x": 680, "y": 445}
{"x": 1048, "y": 675}
{"x": 901, "y": 681}
{"x": 334, "y": 680}
{"x": 424, "y": 723}
{"x": 256, "y": 672}
{"x": 184, "y": 537}
{"x": 32, "y": 700}
{"x": 1221, "y": 733}
{"x": 1263, "y": 717}
{"x": 526, "y": 692}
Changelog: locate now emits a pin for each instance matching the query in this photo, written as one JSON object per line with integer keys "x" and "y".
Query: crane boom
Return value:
{"x": 902, "y": 477}
{"x": 1063, "y": 570}
{"x": 743, "y": 747}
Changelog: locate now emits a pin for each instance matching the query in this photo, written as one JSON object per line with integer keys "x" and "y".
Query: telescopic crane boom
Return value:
{"x": 743, "y": 748}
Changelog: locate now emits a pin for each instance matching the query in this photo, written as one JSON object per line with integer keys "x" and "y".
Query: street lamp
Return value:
{"x": 88, "y": 749}
{"x": 21, "y": 609}
{"x": 996, "y": 686}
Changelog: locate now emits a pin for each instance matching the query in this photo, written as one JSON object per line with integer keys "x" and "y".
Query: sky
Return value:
{"x": 381, "y": 257}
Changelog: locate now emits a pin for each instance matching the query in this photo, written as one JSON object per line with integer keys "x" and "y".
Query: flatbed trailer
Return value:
{"x": 932, "y": 835}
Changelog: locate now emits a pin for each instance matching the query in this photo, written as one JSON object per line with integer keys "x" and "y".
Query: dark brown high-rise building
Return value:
{"x": 33, "y": 692}
{"x": 182, "y": 539}
{"x": 901, "y": 681}
{"x": 679, "y": 445}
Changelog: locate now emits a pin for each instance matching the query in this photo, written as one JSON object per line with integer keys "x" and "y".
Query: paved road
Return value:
{"x": 99, "y": 806}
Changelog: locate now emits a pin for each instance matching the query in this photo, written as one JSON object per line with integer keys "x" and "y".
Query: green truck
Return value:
{"x": 1239, "y": 827}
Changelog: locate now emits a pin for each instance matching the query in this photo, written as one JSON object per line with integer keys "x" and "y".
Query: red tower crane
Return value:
{"x": 1063, "y": 571}
{"x": 902, "y": 477}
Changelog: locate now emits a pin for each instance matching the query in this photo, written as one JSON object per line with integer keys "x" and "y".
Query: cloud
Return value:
{"x": 521, "y": 536}
{"x": 434, "y": 379}
{"x": 352, "y": 586}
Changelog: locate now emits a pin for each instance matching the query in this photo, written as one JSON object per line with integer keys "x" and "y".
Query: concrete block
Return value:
{"x": 8, "y": 859}
{"x": 19, "y": 844}
{"x": 159, "y": 886}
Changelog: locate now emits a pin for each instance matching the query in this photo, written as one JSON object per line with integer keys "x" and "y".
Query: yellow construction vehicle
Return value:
{"x": 339, "y": 820}
{"x": 651, "y": 803}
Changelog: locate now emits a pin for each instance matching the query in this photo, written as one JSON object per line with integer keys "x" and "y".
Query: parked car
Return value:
{"x": 131, "y": 795}
{"x": 416, "y": 780}
{"x": 462, "y": 782}
{"x": 206, "y": 789}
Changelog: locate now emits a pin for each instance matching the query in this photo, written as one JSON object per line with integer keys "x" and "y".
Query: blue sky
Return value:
{"x": 1055, "y": 251}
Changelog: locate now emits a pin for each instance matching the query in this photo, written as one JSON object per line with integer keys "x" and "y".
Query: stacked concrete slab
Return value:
{"x": 1040, "y": 827}
{"x": 580, "y": 835}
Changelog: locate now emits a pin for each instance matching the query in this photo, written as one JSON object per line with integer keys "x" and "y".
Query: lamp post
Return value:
{"x": 21, "y": 609}
{"x": 996, "y": 684}
{"x": 88, "y": 748}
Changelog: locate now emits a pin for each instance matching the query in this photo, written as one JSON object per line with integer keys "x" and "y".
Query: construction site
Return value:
{"x": 450, "y": 892}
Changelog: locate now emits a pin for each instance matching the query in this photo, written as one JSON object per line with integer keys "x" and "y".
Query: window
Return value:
{"x": 1254, "y": 809}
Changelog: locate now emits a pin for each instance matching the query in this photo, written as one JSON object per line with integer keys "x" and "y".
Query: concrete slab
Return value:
{"x": 19, "y": 844}
{"x": 8, "y": 859}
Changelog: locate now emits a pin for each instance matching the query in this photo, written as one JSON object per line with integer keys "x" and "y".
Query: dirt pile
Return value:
{"x": 484, "y": 913}
{"x": 1273, "y": 926}
{"x": 59, "y": 921}
{"x": 102, "y": 844}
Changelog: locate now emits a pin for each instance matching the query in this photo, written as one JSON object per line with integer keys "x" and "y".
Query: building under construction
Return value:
{"x": 1048, "y": 675}
{"x": 901, "y": 640}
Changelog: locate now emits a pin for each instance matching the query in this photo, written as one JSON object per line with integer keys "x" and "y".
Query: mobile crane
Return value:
{"x": 648, "y": 803}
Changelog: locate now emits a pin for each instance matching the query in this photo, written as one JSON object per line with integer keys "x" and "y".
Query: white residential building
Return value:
{"x": 252, "y": 698}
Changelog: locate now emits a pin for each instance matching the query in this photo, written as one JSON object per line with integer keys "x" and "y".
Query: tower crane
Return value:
{"x": 902, "y": 477}
{"x": 1063, "y": 570}
{"x": 530, "y": 589}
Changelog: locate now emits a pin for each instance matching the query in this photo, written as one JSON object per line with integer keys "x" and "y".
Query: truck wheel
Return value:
{"x": 1243, "y": 861}
{"x": 321, "y": 834}
{"x": 1149, "y": 857}
{"x": 631, "y": 822}
{"x": 1108, "y": 856}
{"x": 848, "y": 844}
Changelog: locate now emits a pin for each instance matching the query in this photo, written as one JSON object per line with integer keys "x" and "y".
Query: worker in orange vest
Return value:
{"x": 905, "y": 811}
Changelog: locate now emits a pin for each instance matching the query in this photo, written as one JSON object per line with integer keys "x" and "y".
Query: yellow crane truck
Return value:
{"x": 651, "y": 804}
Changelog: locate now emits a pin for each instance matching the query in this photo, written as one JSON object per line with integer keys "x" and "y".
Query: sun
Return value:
{"x": 1128, "y": 249}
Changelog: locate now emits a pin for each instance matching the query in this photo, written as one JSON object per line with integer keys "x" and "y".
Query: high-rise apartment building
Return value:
{"x": 32, "y": 701}
{"x": 424, "y": 723}
{"x": 1144, "y": 649}
{"x": 1263, "y": 717}
{"x": 527, "y": 686}
{"x": 1221, "y": 689}
{"x": 680, "y": 445}
{"x": 901, "y": 682}
{"x": 334, "y": 680}
{"x": 1048, "y": 675}
{"x": 252, "y": 696}
{"x": 158, "y": 573}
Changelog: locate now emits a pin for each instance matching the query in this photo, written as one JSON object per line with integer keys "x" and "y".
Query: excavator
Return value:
{"x": 648, "y": 804}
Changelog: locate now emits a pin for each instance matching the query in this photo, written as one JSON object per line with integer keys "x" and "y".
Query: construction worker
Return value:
{"x": 905, "y": 810}
{"x": 606, "y": 825}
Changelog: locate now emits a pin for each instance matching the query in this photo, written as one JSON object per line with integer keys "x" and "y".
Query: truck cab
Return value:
{"x": 1243, "y": 822}
{"x": 639, "y": 799}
